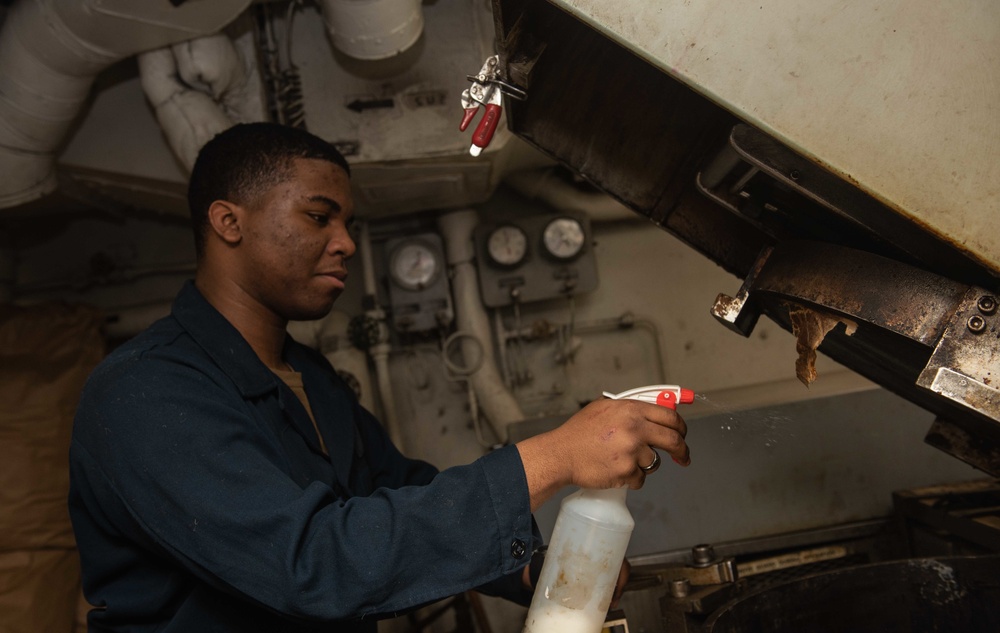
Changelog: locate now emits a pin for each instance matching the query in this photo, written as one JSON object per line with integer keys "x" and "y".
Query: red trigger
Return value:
{"x": 667, "y": 399}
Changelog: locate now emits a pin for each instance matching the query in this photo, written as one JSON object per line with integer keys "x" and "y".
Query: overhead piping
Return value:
{"x": 373, "y": 29}
{"x": 50, "y": 53}
{"x": 199, "y": 88}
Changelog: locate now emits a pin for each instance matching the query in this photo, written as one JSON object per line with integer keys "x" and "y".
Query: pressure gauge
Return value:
{"x": 507, "y": 245}
{"x": 563, "y": 238}
{"x": 414, "y": 265}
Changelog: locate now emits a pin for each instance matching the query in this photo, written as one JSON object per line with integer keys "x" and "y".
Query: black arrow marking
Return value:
{"x": 359, "y": 105}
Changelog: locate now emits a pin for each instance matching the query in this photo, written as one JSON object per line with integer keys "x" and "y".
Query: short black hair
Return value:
{"x": 242, "y": 162}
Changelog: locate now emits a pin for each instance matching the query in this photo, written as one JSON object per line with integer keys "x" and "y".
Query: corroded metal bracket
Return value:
{"x": 956, "y": 326}
{"x": 967, "y": 356}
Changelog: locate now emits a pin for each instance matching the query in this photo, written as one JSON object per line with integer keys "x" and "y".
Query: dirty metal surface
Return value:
{"x": 733, "y": 312}
{"x": 969, "y": 510}
{"x": 865, "y": 287}
{"x": 932, "y": 340}
{"x": 920, "y": 595}
{"x": 965, "y": 364}
{"x": 973, "y": 440}
{"x": 963, "y": 389}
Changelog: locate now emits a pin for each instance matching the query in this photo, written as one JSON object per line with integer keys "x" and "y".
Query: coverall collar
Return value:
{"x": 223, "y": 342}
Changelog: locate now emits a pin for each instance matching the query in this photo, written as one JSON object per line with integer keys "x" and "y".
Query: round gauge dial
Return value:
{"x": 507, "y": 245}
{"x": 563, "y": 238}
{"x": 414, "y": 265}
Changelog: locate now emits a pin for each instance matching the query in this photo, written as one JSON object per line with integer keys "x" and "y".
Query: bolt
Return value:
{"x": 795, "y": 174}
{"x": 703, "y": 555}
{"x": 987, "y": 304}
{"x": 680, "y": 588}
{"x": 976, "y": 324}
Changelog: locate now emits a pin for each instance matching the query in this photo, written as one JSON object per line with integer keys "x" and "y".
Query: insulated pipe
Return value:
{"x": 497, "y": 402}
{"x": 50, "y": 52}
{"x": 544, "y": 185}
{"x": 189, "y": 118}
{"x": 199, "y": 88}
{"x": 373, "y": 29}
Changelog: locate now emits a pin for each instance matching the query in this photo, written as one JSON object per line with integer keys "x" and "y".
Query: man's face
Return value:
{"x": 297, "y": 241}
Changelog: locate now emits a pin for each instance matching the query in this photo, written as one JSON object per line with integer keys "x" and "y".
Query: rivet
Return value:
{"x": 976, "y": 324}
{"x": 987, "y": 304}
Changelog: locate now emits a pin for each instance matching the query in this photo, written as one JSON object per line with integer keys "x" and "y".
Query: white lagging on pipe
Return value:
{"x": 199, "y": 88}
{"x": 544, "y": 185}
{"x": 50, "y": 52}
{"x": 373, "y": 29}
{"x": 496, "y": 400}
{"x": 188, "y": 117}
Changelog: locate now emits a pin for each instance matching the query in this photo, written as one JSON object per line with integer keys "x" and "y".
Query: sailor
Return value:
{"x": 224, "y": 478}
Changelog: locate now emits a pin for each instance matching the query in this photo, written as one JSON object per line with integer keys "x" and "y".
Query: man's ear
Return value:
{"x": 226, "y": 221}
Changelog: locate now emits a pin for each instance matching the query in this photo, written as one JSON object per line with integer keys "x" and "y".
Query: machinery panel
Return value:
{"x": 535, "y": 258}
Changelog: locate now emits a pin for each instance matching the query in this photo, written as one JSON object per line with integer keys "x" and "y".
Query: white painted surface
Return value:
{"x": 901, "y": 97}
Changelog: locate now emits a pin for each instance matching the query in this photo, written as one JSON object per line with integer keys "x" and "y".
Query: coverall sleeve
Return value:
{"x": 194, "y": 470}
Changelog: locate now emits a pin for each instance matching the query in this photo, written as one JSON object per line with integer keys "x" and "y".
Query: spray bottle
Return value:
{"x": 588, "y": 546}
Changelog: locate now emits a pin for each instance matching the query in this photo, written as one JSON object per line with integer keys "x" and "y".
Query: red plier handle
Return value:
{"x": 487, "y": 125}
{"x": 485, "y": 91}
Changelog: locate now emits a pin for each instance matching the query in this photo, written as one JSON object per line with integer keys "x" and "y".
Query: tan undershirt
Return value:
{"x": 294, "y": 381}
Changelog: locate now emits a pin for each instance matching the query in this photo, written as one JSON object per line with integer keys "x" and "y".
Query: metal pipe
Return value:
{"x": 382, "y": 348}
{"x": 497, "y": 402}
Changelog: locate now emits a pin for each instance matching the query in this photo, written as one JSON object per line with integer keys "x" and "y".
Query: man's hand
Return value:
{"x": 604, "y": 445}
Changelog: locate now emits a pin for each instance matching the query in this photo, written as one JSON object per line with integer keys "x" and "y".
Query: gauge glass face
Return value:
{"x": 563, "y": 238}
{"x": 414, "y": 266}
{"x": 507, "y": 245}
